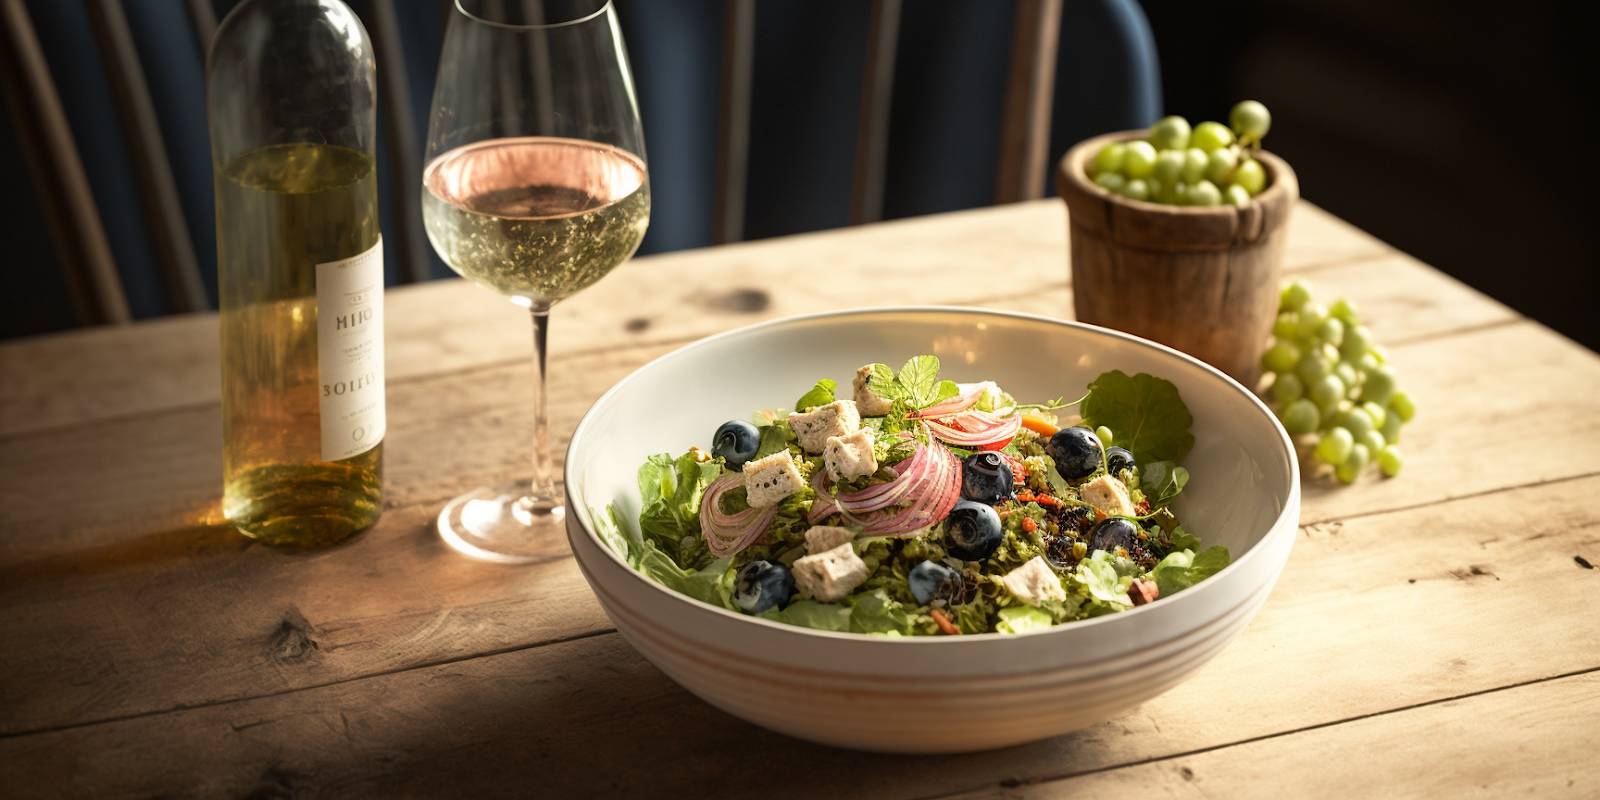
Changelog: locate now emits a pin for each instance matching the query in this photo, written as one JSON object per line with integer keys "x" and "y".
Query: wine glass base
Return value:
{"x": 506, "y": 525}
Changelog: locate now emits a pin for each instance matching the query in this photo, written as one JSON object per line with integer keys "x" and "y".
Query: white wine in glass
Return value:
{"x": 535, "y": 188}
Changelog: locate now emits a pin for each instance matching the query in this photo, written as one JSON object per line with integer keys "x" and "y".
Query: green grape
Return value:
{"x": 1195, "y": 161}
{"x": 1288, "y": 388}
{"x": 1381, "y": 353}
{"x": 1295, "y": 294}
{"x": 1335, "y": 445}
{"x": 1169, "y": 166}
{"x": 1357, "y": 342}
{"x": 1400, "y": 403}
{"x": 1331, "y": 331}
{"x": 1389, "y": 460}
{"x": 1110, "y": 181}
{"x": 1109, "y": 159}
{"x": 1104, "y": 435}
{"x": 1374, "y": 441}
{"x": 1366, "y": 363}
{"x": 1250, "y": 120}
{"x": 1313, "y": 367}
{"x": 1220, "y": 164}
{"x": 1311, "y": 318}
{"x": 1345, "y": 311}
{"x": 1210, "y": 136}
{"x": 1300, "y": 417}
{"x": 1205, "y": 193}
{"x": 1379, "y": 416}
{"x": 1180, "y": 194}
{"x": 1281, "y": 357}
{"x": 1326, "y": 393}
{"x": 1283, "y": 328}
{"x": 1251, "y": 175}
{"x": 1156, "y": 187}
{"x": 1236, "y": 195}
{"x": 1353, "y": 463}
{"x": 1138, "y": 159}
{"x": 1346, "y": 373}
{"x": 1135, "y": 190}
{"x": 1380, "y": 385}
{"x": 1357, "y": 421}
{"x": 1170, "y": 133}
{"x": 1391, "y": 427}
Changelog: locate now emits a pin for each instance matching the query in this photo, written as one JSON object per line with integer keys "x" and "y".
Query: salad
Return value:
{"x": 918, "y": 506}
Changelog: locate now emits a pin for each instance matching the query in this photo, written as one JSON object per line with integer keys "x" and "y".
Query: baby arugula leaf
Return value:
{"x": 1144, "y": 412}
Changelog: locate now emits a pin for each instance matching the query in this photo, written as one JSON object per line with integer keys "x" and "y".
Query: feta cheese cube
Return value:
{"x": 768, "y": 480}
{"x": 1034, "y": 581}
{"x": 867, "y": 403}
{"x": 838, "y": 418}
{"x": 1109, "y": 495}
{"x": 830, "y": 574}
{"x": 850, "y": 456}
{"x": 822, "y": 538}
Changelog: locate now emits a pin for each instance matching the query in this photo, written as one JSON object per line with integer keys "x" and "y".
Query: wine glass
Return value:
{"x": 535, "y": 187}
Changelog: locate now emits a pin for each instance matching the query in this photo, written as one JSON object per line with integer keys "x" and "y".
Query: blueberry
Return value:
{"x": 986, "y": 478}
{"x": 973, "y": 530}
{"x": 1118, "y": 459}
{"x": 1113, "y": 533}
{"x": 736, "y": 441}
{"x": 1076, "y": 452}
{"x": 760, "y": 585}
{"x": 932, "y": 581}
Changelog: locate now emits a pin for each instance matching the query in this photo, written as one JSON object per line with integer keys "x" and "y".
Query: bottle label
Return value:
{"x": 350, "y": 353}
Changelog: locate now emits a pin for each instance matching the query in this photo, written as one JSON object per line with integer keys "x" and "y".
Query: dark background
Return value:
{"x": 1457, "y": 132}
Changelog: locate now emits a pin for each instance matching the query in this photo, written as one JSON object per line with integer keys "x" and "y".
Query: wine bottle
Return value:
{"x": 290, "y": 91}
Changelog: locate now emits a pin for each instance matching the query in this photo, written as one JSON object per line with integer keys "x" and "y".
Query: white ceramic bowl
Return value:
{"x": 947, "y": 693}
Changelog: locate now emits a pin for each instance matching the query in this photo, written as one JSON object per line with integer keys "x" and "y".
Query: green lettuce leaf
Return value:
{"x": 711, "y": 584}
{"x": 1021, "y": 619}
{"x": 1145, "y": 414}
{"x": 1099, "y": 579}
{"x": 1182, "y": 568}
{"x": 812, "y": 614}
{"x": 610, "y": 532}
{"x": 876, "y": 612}
{"x": 820, "y": 395}
{"x": 1162, "y": 481}
{"x": 670, "y": 491}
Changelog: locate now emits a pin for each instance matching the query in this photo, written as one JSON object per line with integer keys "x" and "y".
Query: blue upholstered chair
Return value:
{"x": 759, "y": 119}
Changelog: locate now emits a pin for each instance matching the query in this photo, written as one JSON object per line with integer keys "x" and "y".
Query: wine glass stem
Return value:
{"x": 544, "y": 485}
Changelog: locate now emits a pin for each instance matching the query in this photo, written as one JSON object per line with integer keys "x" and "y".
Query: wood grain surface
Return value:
{"x": 1432, "y": 635}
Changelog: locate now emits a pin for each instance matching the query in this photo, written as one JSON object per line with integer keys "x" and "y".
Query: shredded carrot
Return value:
{"x": 1038, "y": 426}
{"x": 944, "y": 622}
{"x": 1046, "y": 500}
{"x": 1029, "y": 525}
{"x": 1024, "y": 496}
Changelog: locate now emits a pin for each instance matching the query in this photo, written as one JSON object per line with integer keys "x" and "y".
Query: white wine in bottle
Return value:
{"x": 290, "y": 91}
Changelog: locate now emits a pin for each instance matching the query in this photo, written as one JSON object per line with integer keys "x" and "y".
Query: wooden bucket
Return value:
{"x": 1201, "y": 279}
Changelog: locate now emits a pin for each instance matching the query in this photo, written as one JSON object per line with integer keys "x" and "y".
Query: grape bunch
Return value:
{"x": 1207, "y": 165}
{"x": 1331, "y": 379}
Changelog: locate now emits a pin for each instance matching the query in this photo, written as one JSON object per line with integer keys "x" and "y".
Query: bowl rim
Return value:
{"x": 579, "y": 512}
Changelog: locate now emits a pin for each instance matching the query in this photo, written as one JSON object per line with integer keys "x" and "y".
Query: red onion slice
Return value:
{"x": 727, "y": 534}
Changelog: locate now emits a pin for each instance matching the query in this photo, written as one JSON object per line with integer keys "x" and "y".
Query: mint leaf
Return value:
{"x": 883, "y": 383}
{"x": 920, "y": 377}
{"x": 1145, "y": 414}
{"x": 820, "y": 395}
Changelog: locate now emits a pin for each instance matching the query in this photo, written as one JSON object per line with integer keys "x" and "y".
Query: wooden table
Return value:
{"x": 1433, "y": 635}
